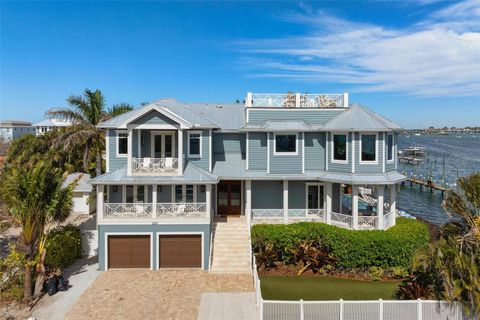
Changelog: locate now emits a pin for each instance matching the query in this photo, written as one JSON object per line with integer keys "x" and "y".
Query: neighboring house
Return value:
{"x": 83, "y": 194}
{"x": 174, "y": 168}
{"x": 50, "y": 124}
{"x": 11, "y": 130}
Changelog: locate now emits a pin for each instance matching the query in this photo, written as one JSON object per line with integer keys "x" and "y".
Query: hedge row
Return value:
{"x": 394, "y": 247}
{"x": 64, "y": 246}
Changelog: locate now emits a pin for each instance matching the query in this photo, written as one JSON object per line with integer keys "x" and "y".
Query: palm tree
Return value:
{"x": 86, "y": 113}
{"x": 34, "y": 196}
{"x": 454, "y": 260}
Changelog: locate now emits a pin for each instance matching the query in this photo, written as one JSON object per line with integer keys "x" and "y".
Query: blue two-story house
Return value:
{"x": 183, "y": 178}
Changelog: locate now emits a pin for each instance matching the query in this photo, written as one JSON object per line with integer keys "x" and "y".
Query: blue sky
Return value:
{"x": 416, "y": 62}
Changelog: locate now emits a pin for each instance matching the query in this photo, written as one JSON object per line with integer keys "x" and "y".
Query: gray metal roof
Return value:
{"x": 171, "y": 105}
{"x": 192, "y": 175}
{"x": 279, "y": 125}
{"x": 83, "y": 184}
{"x": 227, "y": 116}
{"x": 52, "y": 123}
{"x": 359, "y": 118}
{"x": 15, "y": 123}
{"x": 233, "y": 167}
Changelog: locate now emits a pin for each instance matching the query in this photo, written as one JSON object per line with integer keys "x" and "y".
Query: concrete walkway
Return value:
{"x": 80, "y": 276}
{"x": 228, "y": 305}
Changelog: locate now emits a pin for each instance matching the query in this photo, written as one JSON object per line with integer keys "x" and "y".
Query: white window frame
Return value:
{"x": 162, "y": 134}
{"x": 275, "y": 153}
{"x": 393, "y": 148}
{"x": 189, "y": 133}
{"x": 135, "y": 193}
{"x": 307, "y": 185}
{"x": 347, "y": 147}
{"x": 376, "y": 148}
{"x": 117, "y": 138}
{"x": 184, "y": 193}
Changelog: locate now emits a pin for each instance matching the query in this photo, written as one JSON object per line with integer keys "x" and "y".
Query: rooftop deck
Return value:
{"x": 297, "y": 100}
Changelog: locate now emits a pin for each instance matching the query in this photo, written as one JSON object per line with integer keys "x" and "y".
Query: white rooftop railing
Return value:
{"x": 297, "y": 100}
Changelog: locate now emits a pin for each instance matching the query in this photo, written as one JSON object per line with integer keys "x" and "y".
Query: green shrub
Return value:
{"x": 375, "y": 273}
{"x": 394, "y": 247}
{"x": 12, "y": 268}
{"x": 64, "y": 246}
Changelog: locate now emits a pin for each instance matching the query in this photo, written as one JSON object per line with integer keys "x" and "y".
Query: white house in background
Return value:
{"x": 50, "y": 124}
{"x": 81, "y": 201}
{"x": 10, "y": 130}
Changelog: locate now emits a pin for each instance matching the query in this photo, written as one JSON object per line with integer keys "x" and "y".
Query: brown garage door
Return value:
{"x": 180, "y": 251}
{"x": 129, "y": 251}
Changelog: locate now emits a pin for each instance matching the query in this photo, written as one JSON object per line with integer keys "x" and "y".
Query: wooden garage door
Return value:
{"x": 132, "y": 251}
{"x": 180, "y": 251}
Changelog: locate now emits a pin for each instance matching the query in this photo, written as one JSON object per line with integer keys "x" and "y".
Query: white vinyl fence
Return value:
{"x": 353, "y": 310}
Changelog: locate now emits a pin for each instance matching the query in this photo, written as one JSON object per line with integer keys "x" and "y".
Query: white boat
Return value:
{"x": 417, "y": 134}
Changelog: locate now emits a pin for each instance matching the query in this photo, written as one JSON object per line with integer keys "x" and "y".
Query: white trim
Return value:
{"x": 303, "y": 152}
{"x": 353, "y": 152}
{"x": 384, "y": 137}
{"x": 184, "y": 192}
{"x": 268, "y": 152}
{"x": 107, "y": 150}
{"x": 127, "y": 234}
{"x": 246, "y": 151}
{"x": 295, "y": 109}
{"x": 153, "y": 126}
{"x": 163, "y": 111}
{"x": 139, "y": 143}
{"x": 393, "y": 148}
{"x": 195, "y": 156}
{"x": 318, "y": 184}
{"x": 162, "y": 134}
{"x": 360, "y": 148}
{"x": 332, "y": 135}
{"x": 210, "y": 151}
{"x": 159, "y": 233}
{"x": 327, "y": 143}
{"x": 276, "y": 153}
{"x": 117, "y": 138}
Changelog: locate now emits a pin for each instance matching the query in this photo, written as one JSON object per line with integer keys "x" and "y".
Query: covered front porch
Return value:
{"x": 357, "y": 207}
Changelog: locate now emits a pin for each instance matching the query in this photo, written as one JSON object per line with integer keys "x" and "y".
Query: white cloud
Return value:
{"x": 439, "y": 55}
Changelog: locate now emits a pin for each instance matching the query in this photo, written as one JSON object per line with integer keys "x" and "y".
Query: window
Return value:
{"x": 340, "y": 147}
{"x": 285, "y": 144}
{"x": 122, "y": 144}
{"x": 194, "y": 144}
{"x": 389, "y": 147}
{"x": 368, "y": 145}
{"x": 185, "y": 193}
{"x": 314, "y": 196}
{"x": 140, "y": 194}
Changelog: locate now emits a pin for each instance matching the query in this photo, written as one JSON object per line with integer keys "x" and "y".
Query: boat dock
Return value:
{"x": 426, "y": 184}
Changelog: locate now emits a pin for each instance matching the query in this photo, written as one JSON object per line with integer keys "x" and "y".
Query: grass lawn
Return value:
{"x": 325, "y": 288}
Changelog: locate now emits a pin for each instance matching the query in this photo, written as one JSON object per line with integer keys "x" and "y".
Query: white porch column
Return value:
{"x": 393, "y": 202}
{"x": 328, "y": 202}
{"x": 354, "y": 207}
{"x": 248, "y": 201}
{"x": 208, "y": 196}
{"x": 285, "y": 201}
{"x": 130, "y": 150}
{"x": 154, "y": 201}
{"x": 100, "y": 202}
{"x": 180, "y": 152}
{"x": 380, "y": 205}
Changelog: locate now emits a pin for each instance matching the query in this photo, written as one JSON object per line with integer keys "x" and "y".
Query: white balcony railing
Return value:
{"x": 149, "y": 166}
{"x": 190, "y": 209}
{"x": 307, "y": 214}
{"x": 388, "y": 220}
{"x": 267, "y": 213}
{"x": 127, "y": 210}
{"x": 341, "y": 220}
{"x": 297, "y": 100}
{"x": 367, "y": 222}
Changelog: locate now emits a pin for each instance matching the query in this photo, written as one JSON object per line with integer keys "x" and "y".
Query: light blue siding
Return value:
{"x": 154, "y": 117}
{"x": 114, "y": 161}
{"x": 339, "y": 167}
{"x": 369, "y": 168}
{"x": 229, "y": 144}
{"x": 317, "y": 117}
{"x": 315, "y": 150}
{"x": 152, "y": 229}
{"x": 267, "y": 194}
{"x": 203, "y": 161}
{"x": 115, "y": 196}
{"x": 296, "y": 195}
{"x": 257, "y": 151}
{"x": 286, "y": 163}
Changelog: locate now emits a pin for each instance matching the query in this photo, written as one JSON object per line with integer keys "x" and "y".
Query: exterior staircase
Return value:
{"x": 231, "y": 246}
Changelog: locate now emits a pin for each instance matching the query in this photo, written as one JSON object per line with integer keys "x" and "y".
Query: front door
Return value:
{"x": 163, "y": 145}
{"x": 229, "y": 197}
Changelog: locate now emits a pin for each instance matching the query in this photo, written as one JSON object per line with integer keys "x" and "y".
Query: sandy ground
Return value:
{"x": 145, "y": 294}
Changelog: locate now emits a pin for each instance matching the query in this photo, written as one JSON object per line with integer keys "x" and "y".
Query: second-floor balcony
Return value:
{"x": 155, "y": 211}
{"x": 155, "y": 166}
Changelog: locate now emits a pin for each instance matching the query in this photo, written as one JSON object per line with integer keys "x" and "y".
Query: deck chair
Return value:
{"x": 181, "y": 209}
{"x": 169, "y": 164}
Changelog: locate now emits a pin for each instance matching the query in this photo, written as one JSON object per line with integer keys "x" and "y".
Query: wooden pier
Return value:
{"x": 427, "y": 184}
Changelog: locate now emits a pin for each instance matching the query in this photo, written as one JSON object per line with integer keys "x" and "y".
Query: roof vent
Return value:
{"x": 219, "y": 106}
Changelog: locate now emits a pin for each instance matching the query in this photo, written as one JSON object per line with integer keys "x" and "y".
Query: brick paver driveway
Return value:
{"x": 142, "y": 294}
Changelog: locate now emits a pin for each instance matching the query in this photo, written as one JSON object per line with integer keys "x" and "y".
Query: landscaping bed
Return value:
{"x": 325, "y": 288}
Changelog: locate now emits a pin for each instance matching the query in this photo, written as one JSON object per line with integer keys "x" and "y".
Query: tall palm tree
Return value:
{"x": 454, "y": 260}
{"x": 86, "y": 113}
{"x": 33, "y": 197}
